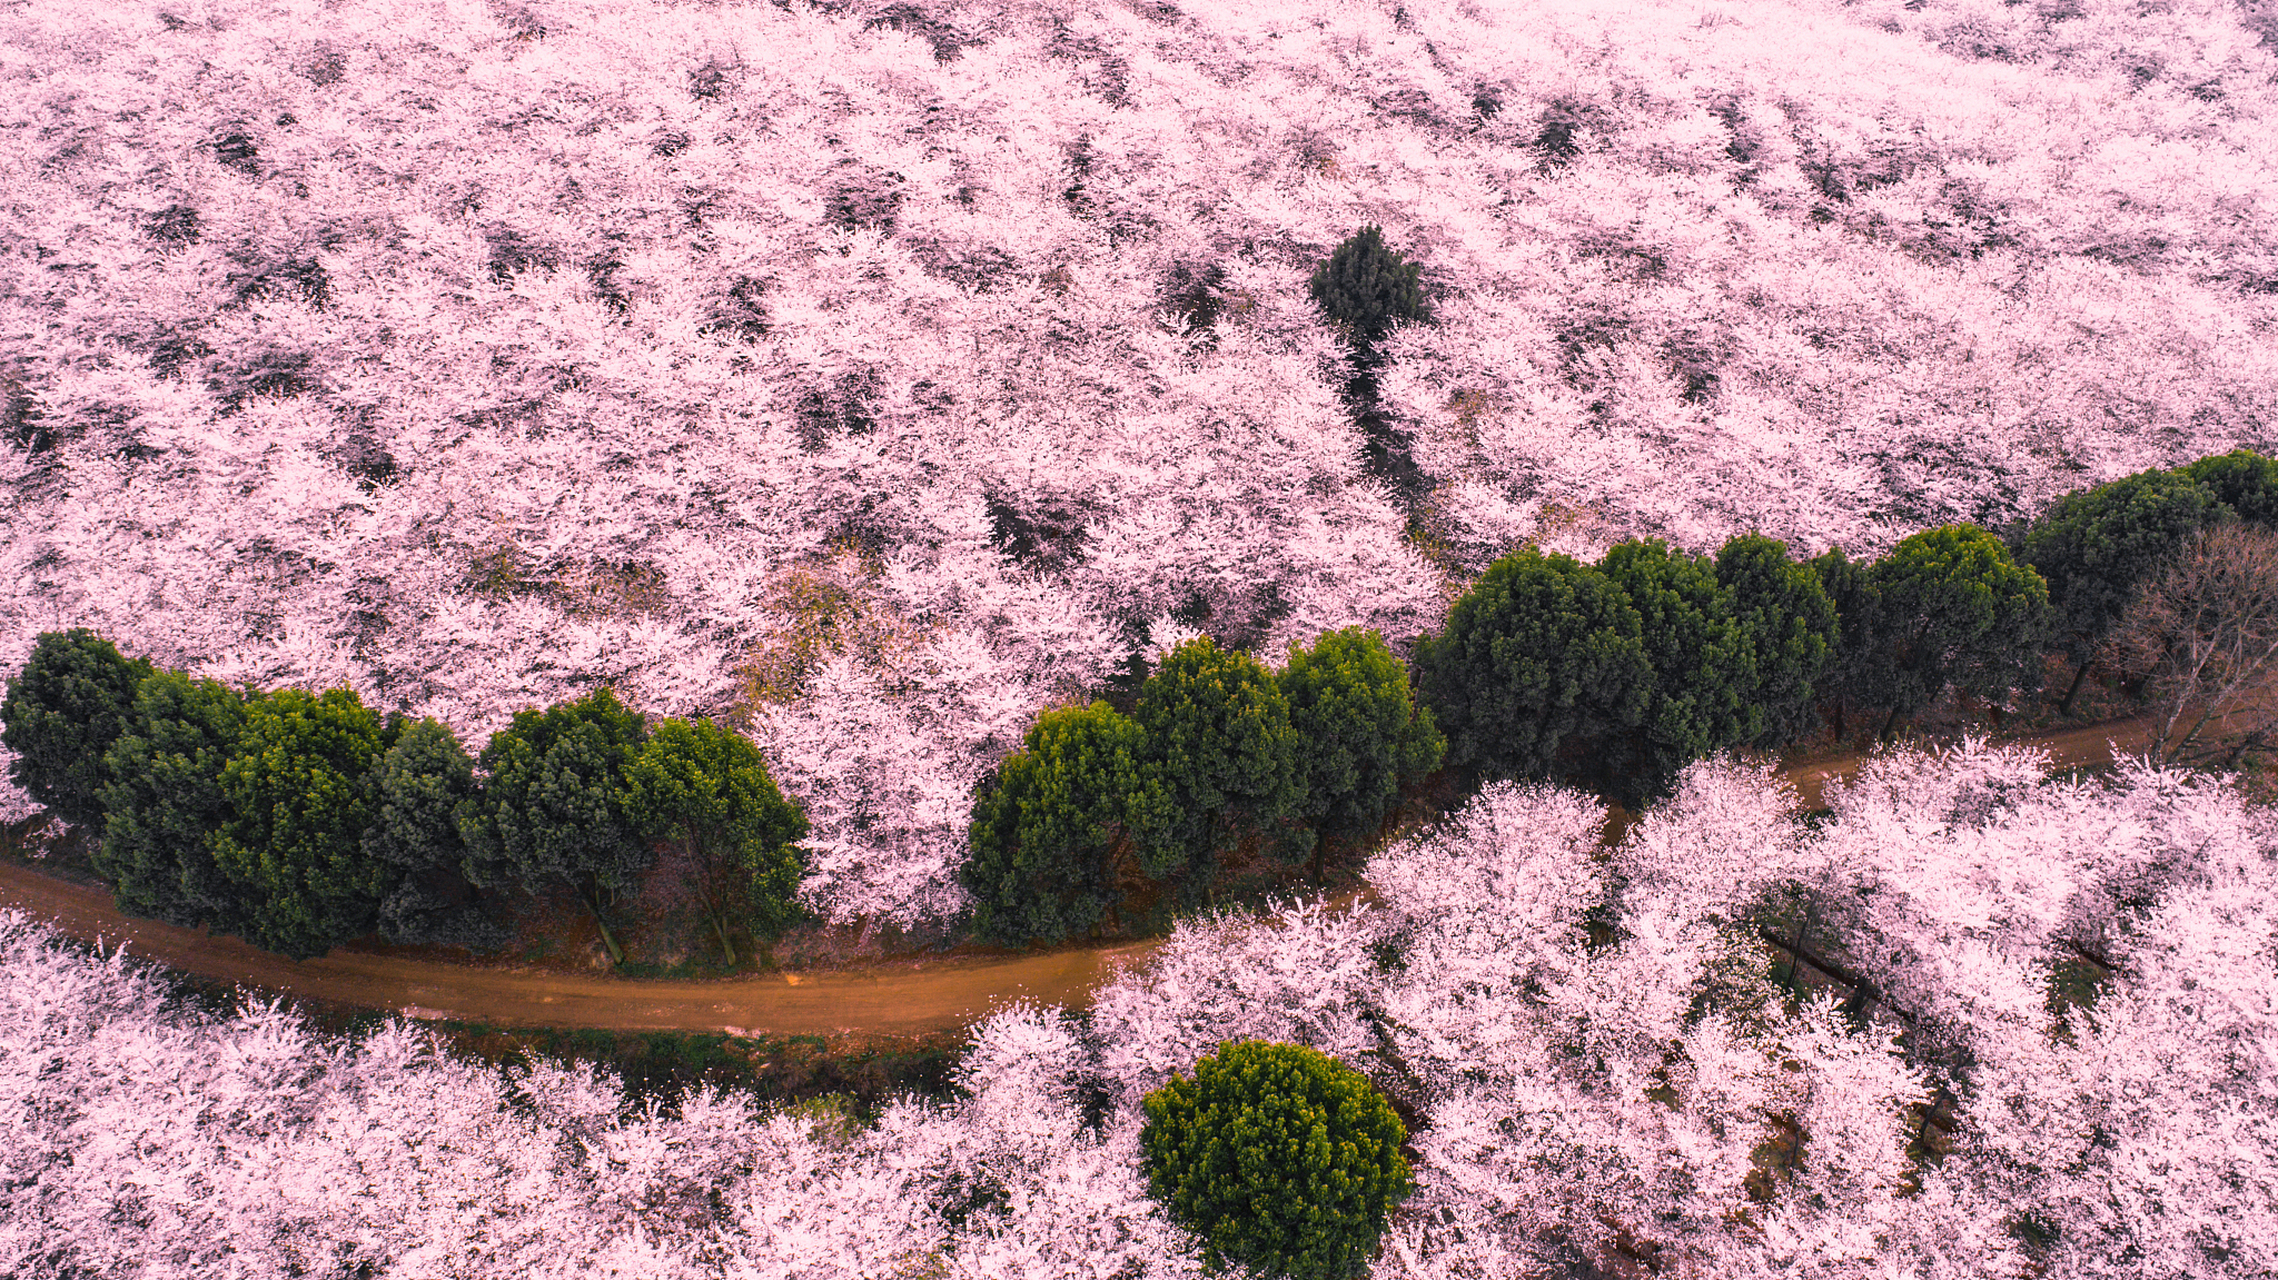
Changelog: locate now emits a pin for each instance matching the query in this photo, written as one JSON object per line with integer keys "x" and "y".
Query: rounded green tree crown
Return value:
{"x": 1281, "y": 1158}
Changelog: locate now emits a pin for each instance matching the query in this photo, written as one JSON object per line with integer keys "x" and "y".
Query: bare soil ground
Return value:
{"x": 898, "y": 997}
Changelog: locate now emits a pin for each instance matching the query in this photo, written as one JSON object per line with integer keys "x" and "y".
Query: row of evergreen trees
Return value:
{"x": 1613, "y": 675}
{"x": 298, "y": 820}
{"x": 1619, "y": 674}
{"x": 1101, "y": 815}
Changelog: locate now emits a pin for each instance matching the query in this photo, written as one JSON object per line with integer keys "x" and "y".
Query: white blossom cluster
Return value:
{"x": 1601, "y": 1062}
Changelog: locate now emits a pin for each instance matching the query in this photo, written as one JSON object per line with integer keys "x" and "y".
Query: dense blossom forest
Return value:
{"x": 1599, "y": 1064}
{"x": 981, "y": 466}
{"x": 887, "y": 373}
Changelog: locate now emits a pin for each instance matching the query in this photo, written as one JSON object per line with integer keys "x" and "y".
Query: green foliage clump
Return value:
{"x": 1540, "y": 650}
{"x": 1953, "y": 609}
{"x": 1279, "y": 1157}
{"x": 164, "y": 806}
{"x": 1854, "y": 676}
{"x": 1363, "y": 736}
{"x": 1064, "y": 814}
{"x": 1700, "y": 695}
{"x": 298, "y": 809}
{"x": 2242, "y": 480}
{"x": 553, "y": 810}
{"x": 1219, "y": 736}
{"x": 72, "y": 700}
{"x": 2095, "y": 545}
{"x": 1793, "y": 626}
{"x": 1366, "y": 287}
{"x": 706, "y": 789}
{"x": 417, "y": 788}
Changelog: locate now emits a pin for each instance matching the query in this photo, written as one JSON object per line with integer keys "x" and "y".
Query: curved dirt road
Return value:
{"x": 892, "y": 999}
{"x": 909, "y": 998}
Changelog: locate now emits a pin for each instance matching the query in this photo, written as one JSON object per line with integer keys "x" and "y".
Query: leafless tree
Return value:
{"x": 2203, "y": 637}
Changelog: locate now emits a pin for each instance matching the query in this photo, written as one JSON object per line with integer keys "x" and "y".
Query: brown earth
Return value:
{"x": 898, "y": 998}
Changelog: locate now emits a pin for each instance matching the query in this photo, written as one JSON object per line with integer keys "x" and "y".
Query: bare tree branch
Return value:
{"x": 2203, "y": 636}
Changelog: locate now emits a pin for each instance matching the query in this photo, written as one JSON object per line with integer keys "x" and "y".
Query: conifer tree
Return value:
{"x": 705, "y": 788}
{"x": 1366, "y": 287}
{"x": 1785, "y": 608}
{"x": 1362, "y": 735}
{"x": 1955, "y": 610}
{"x": 1219, "y": 736}
{"x": 418, "y": 786}
{"x": 1065, "y": 817}
{"x": 1704, "y": 667}
{"x": 165, "y": 808}
{"x": 1540, "y": 651}
{"x": 1854, "y": 673}
{"x": 1281, "y": 1158}
{"x": 2243, "y": 480}
{"x": 2095, "y": 545}
{"x": 71, "y": 701}
{"x": 299, "y": 804}
{"x": 552, "y": 811}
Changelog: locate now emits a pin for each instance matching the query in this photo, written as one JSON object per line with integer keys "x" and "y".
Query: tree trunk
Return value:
{"x": 2079, "y": 678}
{"x": 608, "y": 941}
{"x": 720, "y": 926}
{"x": 1890, "y": 723}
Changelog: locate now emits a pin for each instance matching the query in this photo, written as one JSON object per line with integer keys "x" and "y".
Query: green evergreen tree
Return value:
{"x": 706, "y": 789}
{"x": 1362, "y": 735}
{"x": 1540, "y": 652}
{"x": 2094, "y": 545}
{"x": 2243, "y": 480}
{"x": 165, "y": 809}
{"x": 417, "y": 788}
{"x": 1856, "y": 675}
{"x": 552, "y": 811}
{"x": 1956, "y": 610}
{"x": 1366, "y": 287}
{"x": 1280, "y": 1158}
{"x": 1219, "y": 736}
{"x": 1705, "y": 672}
{"x": 72, "y": 700}
{"x": 1793, "y": 626}
{"x": 298, "y": 808}
{"x": 1064, "y": 818}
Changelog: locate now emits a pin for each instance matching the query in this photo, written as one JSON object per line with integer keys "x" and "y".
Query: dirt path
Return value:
{"x": 901, "y": 999}
{"x": 898, "y": 999}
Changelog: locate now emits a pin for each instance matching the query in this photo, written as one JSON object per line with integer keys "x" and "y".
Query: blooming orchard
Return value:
{"x": 1601, "y": 1058}
{"x": 471, "y": 355}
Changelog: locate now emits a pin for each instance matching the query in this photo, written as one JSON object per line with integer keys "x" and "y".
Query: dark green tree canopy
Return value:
{"x": 1784, "y": 608}
{"x": 1363, "y": 735}
{"x": 1050, "y": 835}
{"x": 706, "y": 788}
{"x": 1703, "y": 659}
{"x": 1540, "y": 649}
{"x": 1281, "y": 1158}
{"x": 2244, "y": 481}
{"x": 299, "y": 801}
{"x": 552, "y": 810}
{"x": 1956, "y": 610}
{"x": 1857, "y": 675}
{"x": 63, "y": 711}
{"x": 417, "y": 788}
{"x": 1367, "y": 287}
{"x": 2094, "y": 545}
{"x": 1219, "y": 736}
{"x": 164, "y": 807}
